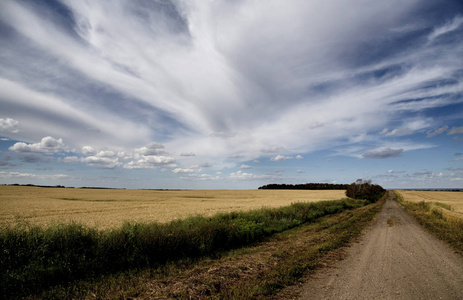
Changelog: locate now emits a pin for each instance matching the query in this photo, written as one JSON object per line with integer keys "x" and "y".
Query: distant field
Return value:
{"x": 453, "y": 199}
{"x": 108, "y": 208}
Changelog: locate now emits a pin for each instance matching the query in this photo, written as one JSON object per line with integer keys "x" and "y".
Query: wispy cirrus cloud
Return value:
{"x": 184, "y": 82}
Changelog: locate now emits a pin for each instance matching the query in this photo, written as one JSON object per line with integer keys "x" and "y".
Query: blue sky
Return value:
{"x": 231, "y": 94}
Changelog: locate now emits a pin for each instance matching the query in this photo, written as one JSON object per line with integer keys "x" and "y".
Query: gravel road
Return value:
{"x": 396, "y": 259}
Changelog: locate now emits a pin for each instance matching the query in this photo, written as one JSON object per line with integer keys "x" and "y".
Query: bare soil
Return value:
{"x": 395, "y": 259}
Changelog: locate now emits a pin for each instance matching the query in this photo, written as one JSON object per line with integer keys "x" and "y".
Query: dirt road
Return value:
{"x": 396, "y": 259}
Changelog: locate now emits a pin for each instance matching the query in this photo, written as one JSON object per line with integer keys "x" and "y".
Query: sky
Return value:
{"x": 231, "y": 94}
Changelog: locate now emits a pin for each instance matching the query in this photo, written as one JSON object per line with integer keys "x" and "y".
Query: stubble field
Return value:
{"x": 109, "y": 208}
{"x": 452, "y": 200}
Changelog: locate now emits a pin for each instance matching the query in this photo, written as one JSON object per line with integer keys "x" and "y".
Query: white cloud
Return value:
{"x": 281, "y": 158}
{"x": 200, "y": 177}
{"x": 240, "y": 175}
{"x": 101, "y": 162}
{"x": 446, "y": 28}
{"x": 183, "y": 170}
{"x": 151, "y": 149}
{"x": 149, "y": 162}
{"x": 70, "y": 160}
{"x": 400, "y": 132}
{"x": 243, "y": 167}
{"x": 299, "y": 157}
{"x": 32, "y": 176}
{"x": 8, "y": 125}
{"x": 88, "y": 150}
{"x": 47, "y": 145}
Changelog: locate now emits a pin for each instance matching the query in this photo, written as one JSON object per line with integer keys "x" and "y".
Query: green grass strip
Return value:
{"x": 33, "y": 258}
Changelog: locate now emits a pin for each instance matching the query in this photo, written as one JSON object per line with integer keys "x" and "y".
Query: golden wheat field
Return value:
{"x": 454, "y": 199}
{"x": 109, "y": 208}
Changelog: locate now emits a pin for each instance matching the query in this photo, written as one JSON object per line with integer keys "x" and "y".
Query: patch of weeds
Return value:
{"x": 392, "y": 221}
{"x": 443, "y": 205}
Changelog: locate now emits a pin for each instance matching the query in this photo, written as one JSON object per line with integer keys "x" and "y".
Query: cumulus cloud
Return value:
{"x": 383, "y": 153}
{"x": 151, "y": 149}
{"x": 240, "y": 175}
{"x": 47, "y": 145}
{"x": 183, "y": 170}
{"x": 149, "y": 162}
{"x": 8, "y": 125}
{"x": 101, "y": 162}
{"x": 69, "y": 160}
{"x": 281, "y": 158}
{"x": 88, "y": 150}
{"x": 243, "y": 167}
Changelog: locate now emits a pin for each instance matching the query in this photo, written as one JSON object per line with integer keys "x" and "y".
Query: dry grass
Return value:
{"x": 452, "y": 199}
{"x": 106, "y": 208}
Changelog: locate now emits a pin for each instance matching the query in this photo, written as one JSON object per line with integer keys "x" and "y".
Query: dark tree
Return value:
{"x": 363, "y": 189}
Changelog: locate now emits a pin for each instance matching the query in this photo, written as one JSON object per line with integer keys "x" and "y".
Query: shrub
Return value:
{"x": 363, "y": 189}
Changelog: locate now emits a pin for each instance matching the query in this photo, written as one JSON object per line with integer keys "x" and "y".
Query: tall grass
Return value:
{"x": 34, "y": 258}
{"x": 447, "y": 228}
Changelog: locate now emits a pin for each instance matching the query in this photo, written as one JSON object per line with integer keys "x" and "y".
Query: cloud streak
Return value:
{"x": 172, "y": 84}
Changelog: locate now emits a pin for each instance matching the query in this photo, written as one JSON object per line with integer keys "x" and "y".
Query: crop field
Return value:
{"x": 452, "y": 200}
{"x": 109, "y": 208}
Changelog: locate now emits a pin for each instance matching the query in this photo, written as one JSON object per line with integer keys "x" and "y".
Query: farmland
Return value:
{"x": 110, "y": 208}
{"x": 452, "y": 202}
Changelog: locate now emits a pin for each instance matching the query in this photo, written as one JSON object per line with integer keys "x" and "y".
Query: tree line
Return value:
{"x": 304, "y": 186}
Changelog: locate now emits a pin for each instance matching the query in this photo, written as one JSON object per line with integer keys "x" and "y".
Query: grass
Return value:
{"x": 437, "y": 221}
{"x": 260, "y": 271}
{"x": 449, "y": 200}
{"x": 34, "y": 258}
